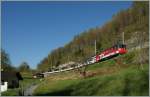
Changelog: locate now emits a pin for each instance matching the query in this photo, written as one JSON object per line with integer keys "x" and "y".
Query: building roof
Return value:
{"x": 10, "y": 75}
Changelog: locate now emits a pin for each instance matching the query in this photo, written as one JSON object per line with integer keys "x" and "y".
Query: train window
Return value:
{"x": 123, "y": 46}
{"x": 120, "y": 46}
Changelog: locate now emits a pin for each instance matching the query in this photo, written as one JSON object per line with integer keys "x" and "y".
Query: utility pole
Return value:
{"x": 51, "y": 64}
{"x": 48, "y": 63}
{"x": 95, "y": 47}
{"x": 123, "y": 37}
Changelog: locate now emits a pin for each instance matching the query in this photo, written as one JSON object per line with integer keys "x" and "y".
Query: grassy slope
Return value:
{"x": 121, "y": 80}
{"x": 10, "y": 92}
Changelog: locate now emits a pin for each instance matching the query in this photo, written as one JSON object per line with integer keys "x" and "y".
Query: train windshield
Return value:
{"x": 121, "y": 46}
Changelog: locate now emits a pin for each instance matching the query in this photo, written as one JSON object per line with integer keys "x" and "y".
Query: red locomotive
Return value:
{"x": 109, "y": 53}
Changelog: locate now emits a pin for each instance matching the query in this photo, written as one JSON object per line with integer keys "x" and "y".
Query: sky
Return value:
{"x": 31, "y": 29}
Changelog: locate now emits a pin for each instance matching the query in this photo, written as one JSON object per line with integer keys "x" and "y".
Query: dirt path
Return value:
{"x": 29, "y": 91}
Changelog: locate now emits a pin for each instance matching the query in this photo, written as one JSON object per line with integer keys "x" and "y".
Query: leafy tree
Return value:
{"x": 24, "y": 67}
{"x": 5, "y": 62}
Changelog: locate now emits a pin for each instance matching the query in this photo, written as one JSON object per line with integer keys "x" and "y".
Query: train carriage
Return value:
{"x": 111, "y": 52}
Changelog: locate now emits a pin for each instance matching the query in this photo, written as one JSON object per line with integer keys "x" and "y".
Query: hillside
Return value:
{"x": 82, "y": 46}
{"x": 129, "y": 82}
{"x": 106, "y": 78}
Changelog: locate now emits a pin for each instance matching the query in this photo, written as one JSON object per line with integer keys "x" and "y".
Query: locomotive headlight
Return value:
{"x": 117, "y": 51}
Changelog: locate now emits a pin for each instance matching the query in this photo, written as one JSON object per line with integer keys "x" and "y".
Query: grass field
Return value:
{"x": 109, "y": 79}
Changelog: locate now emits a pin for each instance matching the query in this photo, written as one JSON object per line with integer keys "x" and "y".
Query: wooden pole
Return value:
{"x": 123, "y": 37}
{"x": 95, "y": 47}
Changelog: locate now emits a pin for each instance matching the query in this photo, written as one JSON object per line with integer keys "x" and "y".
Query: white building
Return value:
{"x": 4, "y": 86}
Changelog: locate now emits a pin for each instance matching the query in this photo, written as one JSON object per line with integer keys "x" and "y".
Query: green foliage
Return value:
{"x": 129, "y": 57}
{"x": 24, "y": 67}
{"x": 5, "y": 62}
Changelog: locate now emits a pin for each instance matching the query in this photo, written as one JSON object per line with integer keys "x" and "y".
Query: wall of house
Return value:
{"x": 4, "y": 87}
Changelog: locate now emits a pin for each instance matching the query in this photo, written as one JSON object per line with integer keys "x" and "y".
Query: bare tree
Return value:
{"x": 141, "y": 54}
{"x": 83, "y": 70}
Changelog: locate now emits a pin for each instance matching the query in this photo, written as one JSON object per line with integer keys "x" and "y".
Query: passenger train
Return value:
{"x": 114, "y": 51}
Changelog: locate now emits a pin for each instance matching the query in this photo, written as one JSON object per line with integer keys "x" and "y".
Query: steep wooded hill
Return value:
{"x": 132, "y": 21}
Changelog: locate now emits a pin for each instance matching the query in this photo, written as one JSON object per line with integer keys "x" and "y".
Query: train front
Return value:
{"x": 122, "y": 49}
